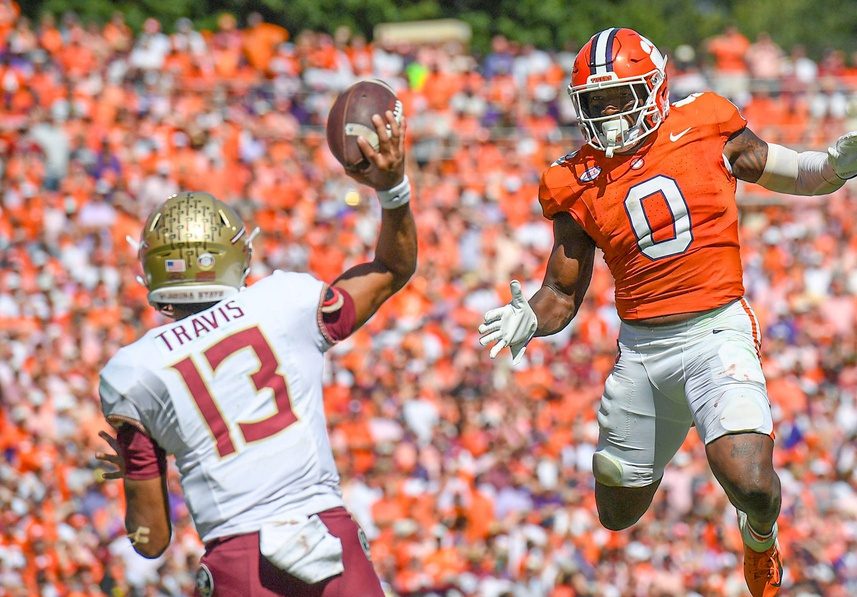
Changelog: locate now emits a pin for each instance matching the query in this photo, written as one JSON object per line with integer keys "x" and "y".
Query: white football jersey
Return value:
{"x": 235, "y": 393}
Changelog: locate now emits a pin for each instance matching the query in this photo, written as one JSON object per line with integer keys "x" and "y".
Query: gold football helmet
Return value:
{"x": 194, "y": 249}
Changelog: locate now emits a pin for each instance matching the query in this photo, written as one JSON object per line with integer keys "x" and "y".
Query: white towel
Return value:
{"x": 303, "y": 547}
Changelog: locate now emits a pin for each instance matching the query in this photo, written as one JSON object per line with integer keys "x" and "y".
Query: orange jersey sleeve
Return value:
{"x": 665, "y": 216}
{"x": 558, "y": 193}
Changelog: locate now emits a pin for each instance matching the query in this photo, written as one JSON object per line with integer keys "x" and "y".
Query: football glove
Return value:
{"x": 843, "y": 155}
{"x": 512, "y": 325}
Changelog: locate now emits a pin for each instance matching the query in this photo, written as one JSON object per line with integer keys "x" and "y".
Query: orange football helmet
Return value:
{"x": 613, "y": 58}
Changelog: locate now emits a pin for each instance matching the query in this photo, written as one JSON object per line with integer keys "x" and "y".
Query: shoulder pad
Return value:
{"x": 564, "y": 159}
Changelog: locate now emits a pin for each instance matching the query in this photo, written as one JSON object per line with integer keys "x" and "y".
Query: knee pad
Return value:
{"x": 607, "y": 470}
{"x": 742, "y": 411}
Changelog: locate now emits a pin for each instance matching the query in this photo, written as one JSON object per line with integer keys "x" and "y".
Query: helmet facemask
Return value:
{"x": 627, "y": 127}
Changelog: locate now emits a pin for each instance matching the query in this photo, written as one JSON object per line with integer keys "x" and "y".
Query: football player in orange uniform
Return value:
{"x": 654, "y": 189}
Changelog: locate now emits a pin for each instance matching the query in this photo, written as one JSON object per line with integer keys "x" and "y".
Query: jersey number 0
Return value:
{"x": 682, "y": 235}
{"x": 265, "y": 377}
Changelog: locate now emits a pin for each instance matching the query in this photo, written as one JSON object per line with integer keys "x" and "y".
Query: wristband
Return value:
{"x": 397, "y": 196}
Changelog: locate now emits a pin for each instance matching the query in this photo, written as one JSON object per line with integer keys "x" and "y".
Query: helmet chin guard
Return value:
{"x": 613, "y": 134}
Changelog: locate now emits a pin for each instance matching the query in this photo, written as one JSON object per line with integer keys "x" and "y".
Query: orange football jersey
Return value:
{"x": 665, "y": 217}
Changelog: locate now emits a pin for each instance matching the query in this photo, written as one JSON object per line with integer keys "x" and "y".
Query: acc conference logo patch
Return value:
{"x": 590, "y": 174}
{"x": 204, "y": 581}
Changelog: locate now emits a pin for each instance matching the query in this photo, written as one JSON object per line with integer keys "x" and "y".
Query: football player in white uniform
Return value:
{"x": 233, "y": 389}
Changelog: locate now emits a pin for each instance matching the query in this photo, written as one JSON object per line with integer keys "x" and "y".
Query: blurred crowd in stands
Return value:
{"x": 470, "y": 477}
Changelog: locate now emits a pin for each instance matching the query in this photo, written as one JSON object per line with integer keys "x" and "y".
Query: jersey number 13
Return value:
{"x": 265, "y": 377}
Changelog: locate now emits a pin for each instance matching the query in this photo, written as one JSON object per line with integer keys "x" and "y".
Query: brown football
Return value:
{"x": 350, "y": 117}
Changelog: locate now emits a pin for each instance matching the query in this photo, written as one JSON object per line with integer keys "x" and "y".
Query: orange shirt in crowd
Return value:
{"x": 260, "y": 44}
{"x": 728, "y": 51}
{"x": 9, "y": 11}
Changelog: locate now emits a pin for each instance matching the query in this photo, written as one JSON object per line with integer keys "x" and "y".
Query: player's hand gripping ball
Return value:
{"x": 350, "y": 117}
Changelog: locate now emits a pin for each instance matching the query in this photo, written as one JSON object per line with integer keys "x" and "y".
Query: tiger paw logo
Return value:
{"x": 649, "y": 48}
{"x": 204, "y": 581}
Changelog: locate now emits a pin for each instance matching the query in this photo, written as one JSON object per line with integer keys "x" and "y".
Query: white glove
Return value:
{"x": 843, "y": 155}
{"x": 512, "y": 325}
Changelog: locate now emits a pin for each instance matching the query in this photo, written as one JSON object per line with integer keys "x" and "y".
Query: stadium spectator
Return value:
{"x": 765, "y": 63}
{"x": 260, "y": 41}
{"x": 686, "y": 76}
{"x": 151, "y": 48}
{"x": 730, "y": 75}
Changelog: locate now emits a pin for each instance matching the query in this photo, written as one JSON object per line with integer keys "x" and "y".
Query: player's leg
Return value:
{"x": 233, "y": 567}
{"x": 727, "y": 395}
{"x": 729, "y": 401}
{"x": 743, "y": 465}
{"x": 359, "y": 577}
{"x": 621, "y": 507}
{"x": 640, "y": 430}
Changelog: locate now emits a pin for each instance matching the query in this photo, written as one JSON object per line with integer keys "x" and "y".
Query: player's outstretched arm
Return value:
{"x": 785, "y": 170}
{"x": 569, "y": 271}
{"x": 370, "y": 284}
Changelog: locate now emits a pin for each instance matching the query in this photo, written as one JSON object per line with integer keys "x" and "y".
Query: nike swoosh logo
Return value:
{"x": 716, "y": 331}
{"x": 675, "y": 137}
